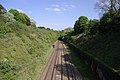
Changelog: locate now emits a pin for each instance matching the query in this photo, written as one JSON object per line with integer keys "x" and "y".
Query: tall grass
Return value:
{"x": 23, "y": 50}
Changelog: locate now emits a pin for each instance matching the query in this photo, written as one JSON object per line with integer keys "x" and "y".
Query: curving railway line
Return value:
{"x": 59, "y": 66}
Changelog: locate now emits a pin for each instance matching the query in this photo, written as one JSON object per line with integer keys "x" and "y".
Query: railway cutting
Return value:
{"x": 60, "y": 66}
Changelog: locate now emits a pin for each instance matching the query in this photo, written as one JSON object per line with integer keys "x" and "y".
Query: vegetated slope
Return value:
{"x": 105, "y": 47}
{"x": 23, "y": 49}
{"x": 99, "y": 38}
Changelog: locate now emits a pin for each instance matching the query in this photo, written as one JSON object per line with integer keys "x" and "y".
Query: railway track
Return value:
{"x": 59, "y": 66}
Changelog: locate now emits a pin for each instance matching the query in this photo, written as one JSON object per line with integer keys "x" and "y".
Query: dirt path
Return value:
{"x": 59, "y": 66}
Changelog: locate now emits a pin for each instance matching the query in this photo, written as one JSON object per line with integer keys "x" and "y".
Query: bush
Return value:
{"x": 6, "y": 70}
{"x": 20, "y": 17}
{"x": 81, "y": 25}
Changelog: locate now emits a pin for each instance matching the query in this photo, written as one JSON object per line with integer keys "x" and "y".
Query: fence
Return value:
{"x": 101, "y": 70}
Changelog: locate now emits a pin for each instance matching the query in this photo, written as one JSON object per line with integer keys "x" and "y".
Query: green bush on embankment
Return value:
{"x": 97, "y": 38}
{"x": 23, "y": 48}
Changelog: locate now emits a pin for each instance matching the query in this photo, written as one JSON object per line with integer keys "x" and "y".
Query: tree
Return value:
{"x": 93, "y": 26}
{"x": 33, "y": 24}
{"x": 25, "y": 19}
{"x": 78, "y": 28}
{"x": 69, "y": 29}
{"x": 108, "y": 5}
{"x": 41, "y": 27}
{"x": 111, "y": 14}
{"x": 81, "y": 25}
{"x": 20, "y": 17}
{"x": 2, "y": 10}
{"x": 15, "y": 13}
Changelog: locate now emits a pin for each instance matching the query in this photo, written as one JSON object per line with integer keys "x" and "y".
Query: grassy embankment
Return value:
{"x": 84, "y": 70}
{"x": 105, "y": 47}
{"x": 23, "y": 49}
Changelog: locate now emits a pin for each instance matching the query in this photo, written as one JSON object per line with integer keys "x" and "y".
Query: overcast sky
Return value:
{"x": 55, "y": 14}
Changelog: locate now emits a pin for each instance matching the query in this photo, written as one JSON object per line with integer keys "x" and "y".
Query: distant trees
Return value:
{"x": 81, "y": 24}
{"x": 20, "y": 17}
{"x": 41, "y": 27}
{"x": 68, "y": 29}
{"x": 105, "y": 24}
{"x": 108, "y": 22}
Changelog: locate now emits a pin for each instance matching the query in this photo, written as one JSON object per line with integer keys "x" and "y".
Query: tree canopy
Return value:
{"x": 2, "y": 10}
{"x": 20, "y": 17}
{"x": 93, "y": 26}
{"x": 81, "y": 24}
{"x": 108, "y": 5}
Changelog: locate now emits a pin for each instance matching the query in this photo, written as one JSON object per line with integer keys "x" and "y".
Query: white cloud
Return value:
{"x": 55, "y": 5}
{"x": 57, "y": 9}
{"x": 60, "y": 12}
{"x": 66, "y": 5}
{"x": 20, "y": 10}
{"x": 47, "y": 9}
{"x": 29, "y": 12}
{"x": 70, "y": 6}
{"x": 60, "y": 8}
{"x": 64, "y": 9}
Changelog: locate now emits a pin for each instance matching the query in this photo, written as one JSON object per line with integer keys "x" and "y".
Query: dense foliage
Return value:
{"x": 81, "y": 24}
{"x": 111, "y": 14}
{"x": 99, "y": 38}
{"x": 23, "y": 49}
{"x": 19, "y": 16}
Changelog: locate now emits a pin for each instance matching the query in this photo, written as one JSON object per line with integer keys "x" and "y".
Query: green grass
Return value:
{"x": 81, "y": 66}
{"x": 23, "y": 50}
{"x": 105, "y": 47}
